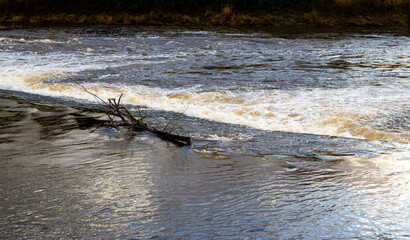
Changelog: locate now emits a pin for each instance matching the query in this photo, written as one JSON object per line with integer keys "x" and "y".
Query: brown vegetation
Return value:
{"x": 221, "y": 12}
{"x": 312, "y": 18}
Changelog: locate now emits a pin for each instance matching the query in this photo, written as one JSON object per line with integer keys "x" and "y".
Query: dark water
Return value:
{"x": 297, "y": 135}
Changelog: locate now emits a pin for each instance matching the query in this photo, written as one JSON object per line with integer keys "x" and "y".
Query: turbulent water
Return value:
{"x": 297, "y": 133}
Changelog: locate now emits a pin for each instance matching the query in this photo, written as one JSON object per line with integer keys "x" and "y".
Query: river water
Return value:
{"x": 297, "y": 133}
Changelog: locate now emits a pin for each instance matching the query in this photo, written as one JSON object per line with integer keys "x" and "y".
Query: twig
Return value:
{"x": 114, "y": 109}
{"x": 97, "y": 97}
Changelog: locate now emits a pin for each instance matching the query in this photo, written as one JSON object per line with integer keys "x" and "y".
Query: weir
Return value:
{"x": 297, "y": 133}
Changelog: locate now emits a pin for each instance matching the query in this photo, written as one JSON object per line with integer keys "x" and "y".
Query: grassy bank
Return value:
{"x": 219, "y": 12}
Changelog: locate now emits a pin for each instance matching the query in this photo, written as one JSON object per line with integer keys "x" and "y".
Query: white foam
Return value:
{"x": 219, "y": 138}
{"x": 9, "y": 40}
{"x": 344, "y": 112}
{"x": 45, "y": 41}
{"x": 337, "y": 112}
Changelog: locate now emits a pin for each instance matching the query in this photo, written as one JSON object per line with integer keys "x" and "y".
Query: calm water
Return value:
{"x": 300, "y": 134}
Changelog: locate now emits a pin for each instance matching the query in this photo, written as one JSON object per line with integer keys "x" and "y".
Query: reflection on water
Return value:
{"x": 64, "y": 176}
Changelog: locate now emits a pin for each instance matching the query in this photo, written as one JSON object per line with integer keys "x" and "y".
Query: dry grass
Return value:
{"x": 225, "y": 17}
{"x": 221, "y": 12}
{"x": 372, "y": 3}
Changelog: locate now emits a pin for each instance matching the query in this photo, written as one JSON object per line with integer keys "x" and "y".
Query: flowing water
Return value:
{"x": 298, "y": 133}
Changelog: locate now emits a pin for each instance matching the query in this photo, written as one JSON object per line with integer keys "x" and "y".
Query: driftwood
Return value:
{"x": 115, "y": 111}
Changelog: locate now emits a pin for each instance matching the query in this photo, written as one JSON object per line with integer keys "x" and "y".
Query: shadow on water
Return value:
{"x": 50, "y": 121}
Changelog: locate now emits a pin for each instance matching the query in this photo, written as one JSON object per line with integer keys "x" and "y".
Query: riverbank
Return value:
{"x": 226, "y": 17}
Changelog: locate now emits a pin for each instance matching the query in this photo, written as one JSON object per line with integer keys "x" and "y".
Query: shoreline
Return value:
{"x": 223, "y": 18}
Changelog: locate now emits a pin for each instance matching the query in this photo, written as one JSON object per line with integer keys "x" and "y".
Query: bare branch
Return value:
{"x": 114, "y": 108}
{"x": 95, "y": 96}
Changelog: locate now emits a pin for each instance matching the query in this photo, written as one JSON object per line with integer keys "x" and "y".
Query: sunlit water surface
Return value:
{"x": 297, "y": 134}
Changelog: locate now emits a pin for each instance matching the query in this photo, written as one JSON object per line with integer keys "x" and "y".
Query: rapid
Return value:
{"x": 289, "y": 125}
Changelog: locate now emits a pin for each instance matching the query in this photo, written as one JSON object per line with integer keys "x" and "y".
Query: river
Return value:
{"x": 297, "y": 133}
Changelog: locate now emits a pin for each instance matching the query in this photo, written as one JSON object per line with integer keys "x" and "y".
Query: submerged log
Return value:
{"x": 177, "y": 139}
{"x": 115, "y": 110}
